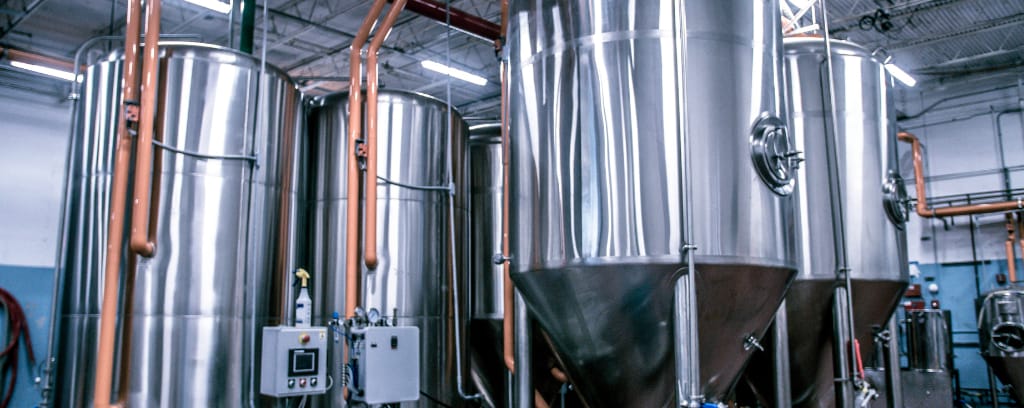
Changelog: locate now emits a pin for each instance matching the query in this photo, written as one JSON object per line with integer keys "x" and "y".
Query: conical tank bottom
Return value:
{"x": 809, "y": 312}
{"x": 1010, "y": 371}
{"x": 611, "y": 325}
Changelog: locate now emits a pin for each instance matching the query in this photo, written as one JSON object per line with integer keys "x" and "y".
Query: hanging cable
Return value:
{"x": 17, "y": 329}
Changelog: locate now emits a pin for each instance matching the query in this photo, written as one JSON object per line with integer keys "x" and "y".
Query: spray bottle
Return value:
{"x": 303, "y": 305}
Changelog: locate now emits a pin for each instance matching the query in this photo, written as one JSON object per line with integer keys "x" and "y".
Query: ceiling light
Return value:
{"x": 214, "y": 5}
{"x": 454, "y": 72}
{"x": 900, "y": 75}
{"x": 67, "y": 76}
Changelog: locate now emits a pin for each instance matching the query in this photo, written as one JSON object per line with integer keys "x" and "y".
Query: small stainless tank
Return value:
{"x": 413, "y": 278}
{"x": 929, "y": 340}
{"x": 634, "y": 125}
{"x": 1001, "y": 331}
{"x": 872, "y": 193}
{"x": 224, "y": 231}
{"x": 483, "y": 156}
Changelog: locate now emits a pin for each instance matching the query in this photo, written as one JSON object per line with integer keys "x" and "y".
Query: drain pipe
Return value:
{"x": 115, "y": 231}
{"x": 780, "y": 340}
{"x": 355, "y": 127}
{"x": 522, "y": 382}
{"x": 143, "y": 236}
{"x": 922, "y": 207}
{"x": 370, "y": 218}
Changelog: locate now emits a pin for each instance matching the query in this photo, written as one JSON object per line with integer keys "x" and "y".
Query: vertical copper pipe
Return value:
{"x": 507, "y": 322}
{"x": 355, "y": 125}
{"x": 140, "y": 239}
{"x": 370, "y": 221}
{"x": 922, "y": 199}
{"x": 115, "y": 228}
{"x": 1011, "y": 259}
{"x": 1020, "y": 232}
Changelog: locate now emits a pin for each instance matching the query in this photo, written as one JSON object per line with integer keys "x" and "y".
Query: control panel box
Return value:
{"x": 390, "y": 365}
{"x": 293, "y": 361}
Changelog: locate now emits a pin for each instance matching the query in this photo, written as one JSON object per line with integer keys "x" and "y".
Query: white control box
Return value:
{"x": 390, "y": 366}
{"x": 293, "y": 361}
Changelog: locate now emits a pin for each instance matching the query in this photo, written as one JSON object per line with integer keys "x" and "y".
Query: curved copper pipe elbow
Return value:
{"x": 140, "y": 242}
{"x": 922, "y": 200}
{"x": 370, "y": 242}
{"x": 559, "y": 375}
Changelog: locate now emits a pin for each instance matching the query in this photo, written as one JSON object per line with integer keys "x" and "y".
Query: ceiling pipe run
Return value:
{"x": 922, "y": 207}
{"x": 460, "y": 19}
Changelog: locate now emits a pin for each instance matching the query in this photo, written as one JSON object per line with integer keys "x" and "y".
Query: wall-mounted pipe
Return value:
{"x": 245, "y": 36}
{"x": 355, "y": 124}
{"x": 459, "y": 19}
{"x": 1011, "y": 259}
{"x": 508, "y": 291}
{"x": 922, "y": 199}
{"x": 143, "y": 238}
{"x": 115, "y": 231}
{"x": 1020, "y": 236}
{"x": 370, "y": 218}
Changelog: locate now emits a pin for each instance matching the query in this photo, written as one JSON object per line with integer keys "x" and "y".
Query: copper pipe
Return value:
{"x": 355, "y": 127}
{"x": 538, "y": 400}
{"x": 115, "y": 228}
{"x": 507, "y": 326}
{"x": 559, "y": 375}
{"x": 370, "y": 221}
{"x": 922, "y": 199}
{"x": 140, "y": 241}
{"x": 1011, "y": 259}
{"x": 1020, "y": 232}
{"x": 38, "y": 59}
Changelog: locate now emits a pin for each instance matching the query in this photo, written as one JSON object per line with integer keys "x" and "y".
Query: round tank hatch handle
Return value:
{"x": 895, "y": 200}
{"x": 773, "y": 154}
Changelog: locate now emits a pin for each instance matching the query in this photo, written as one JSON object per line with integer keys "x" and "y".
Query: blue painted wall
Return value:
{"x": 33, "y": 288}
{"x": 957, "y": 291}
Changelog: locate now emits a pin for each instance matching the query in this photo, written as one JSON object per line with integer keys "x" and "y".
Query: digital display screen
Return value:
{"x": 303, "y": 362}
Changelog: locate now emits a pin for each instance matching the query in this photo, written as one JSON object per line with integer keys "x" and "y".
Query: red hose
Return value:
{"x": 860, "y": 361}
{"x": 17, "y": 328}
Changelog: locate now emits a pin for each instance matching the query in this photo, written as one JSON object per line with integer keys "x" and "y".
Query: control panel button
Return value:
{"x": 291, "y": 383}
{"x": 304, "y": 338}
{"x": 302, "y": 382}
{"x": 312, "y": 381}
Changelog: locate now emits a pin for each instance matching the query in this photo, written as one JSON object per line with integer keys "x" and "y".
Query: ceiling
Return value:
{"x": 933, "y": 39}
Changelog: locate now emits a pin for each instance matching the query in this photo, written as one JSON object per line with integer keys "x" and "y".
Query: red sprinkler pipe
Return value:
{"x": 460, "y": 19}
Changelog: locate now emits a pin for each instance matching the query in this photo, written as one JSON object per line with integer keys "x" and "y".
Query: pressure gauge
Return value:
{"x": 373, "y": 316}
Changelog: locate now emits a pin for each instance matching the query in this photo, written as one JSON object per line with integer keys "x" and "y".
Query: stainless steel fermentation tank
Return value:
{"x": 413, "y": 278}
{"x": 1001, "y": 331}
{"x": 224, "y": 232}
{"x": 871, "y": 203}
{"x": 484, "y": 158}
{"x": 642, "y": 130}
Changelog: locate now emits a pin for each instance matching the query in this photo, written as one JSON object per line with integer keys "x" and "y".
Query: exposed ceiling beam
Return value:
{"x": 26, "y": 13}
{"x": 971, "y": 29}
{"x": 910, "y": 7}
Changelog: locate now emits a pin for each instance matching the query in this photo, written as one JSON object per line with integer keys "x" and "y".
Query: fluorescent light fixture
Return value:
{"x": 900, "y": 75}
{"x": 454, "y": 72}
{"x": 214, "y": 5}
{"x": 56, "y": 73}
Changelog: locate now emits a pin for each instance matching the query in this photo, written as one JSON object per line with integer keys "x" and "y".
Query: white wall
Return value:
{"x": 33, "y": 142}
{"x": 962, "y": 156}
